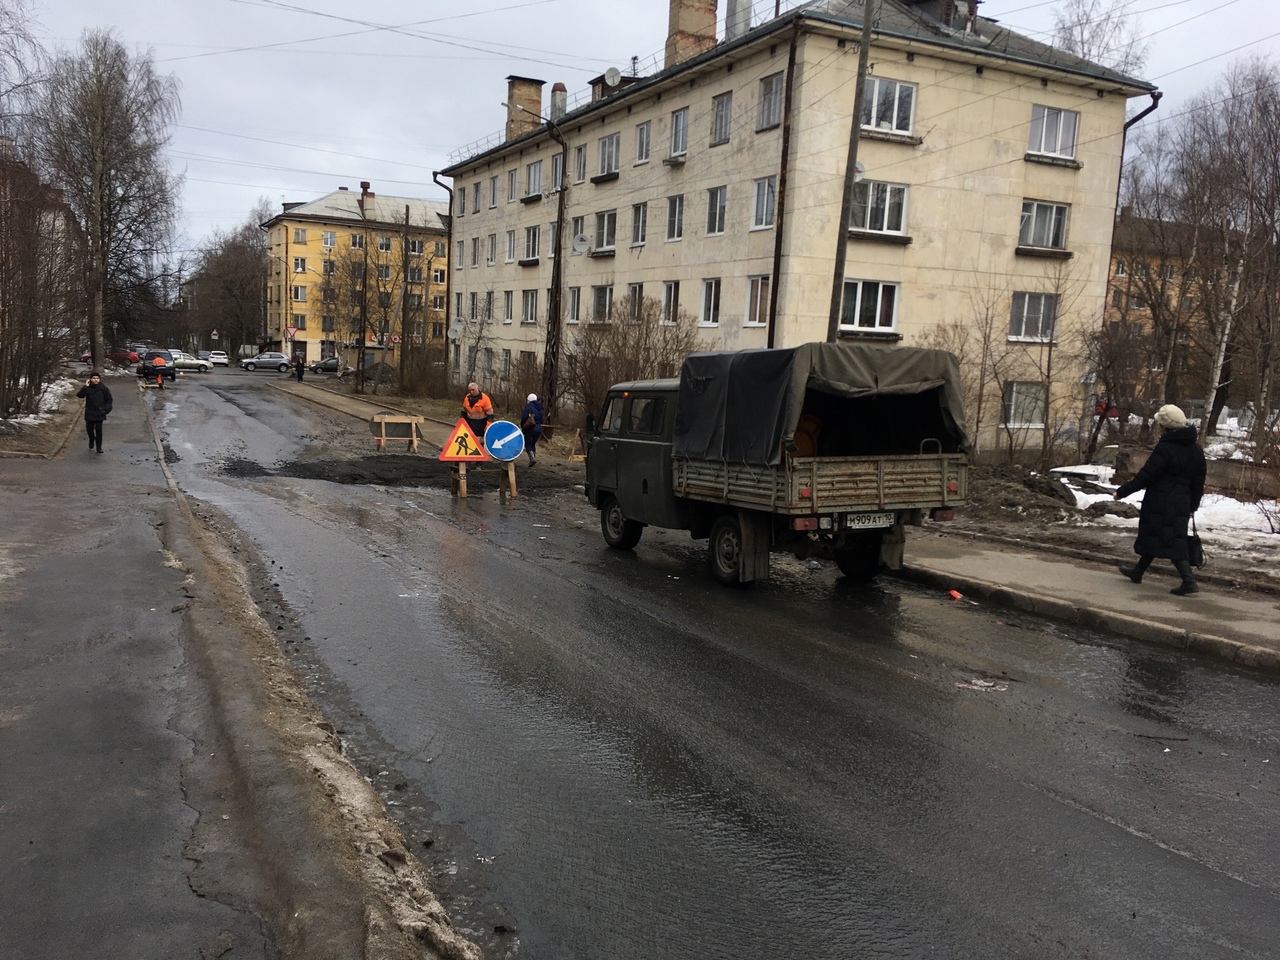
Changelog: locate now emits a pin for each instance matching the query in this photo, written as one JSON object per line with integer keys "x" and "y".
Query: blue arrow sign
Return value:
{"x": 503, "y": 440}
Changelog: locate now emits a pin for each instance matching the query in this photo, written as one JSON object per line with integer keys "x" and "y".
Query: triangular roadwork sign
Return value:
{"x": 462, "y": 445}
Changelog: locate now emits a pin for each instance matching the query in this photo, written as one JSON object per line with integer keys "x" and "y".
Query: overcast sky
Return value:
{"x": 290, "y": 101}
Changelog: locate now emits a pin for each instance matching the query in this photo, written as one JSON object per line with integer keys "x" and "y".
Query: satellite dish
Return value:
{"x": 581, "y": 243}
{"x": 859, "y": 171}
{"x": 612, "y": 77}
{"x": 454, "y": 333}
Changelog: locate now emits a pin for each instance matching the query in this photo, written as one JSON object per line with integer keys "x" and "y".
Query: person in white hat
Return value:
{"x": 1173, "y": 478}
{"x": 531, "y": 426}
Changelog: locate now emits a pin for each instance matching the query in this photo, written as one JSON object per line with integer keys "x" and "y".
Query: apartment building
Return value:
{"x": 355, "y": 267}
{"x": 715, "y": 187}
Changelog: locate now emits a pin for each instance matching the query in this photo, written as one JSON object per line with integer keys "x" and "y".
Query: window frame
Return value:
{"x": 772, "y": 91}
{"x": 858, "y": 308}
{"x": 872, "y": 105}
{"x": 712, "y": 288}
{"x": 1010, "y": 397}
{"x": 1030, "y": 224}
{"x": 508, "y": 305}
{"x": 721, "y": 118}
{"x": 670, "y": 302}
{"x": 644, "y": 141}
{"x": 529, "y": 298}
{"x": 639, "y": 223}
{"x": 679, "y": 141}
{"x": 758, "y": 286}
{"x": 675, "y": 217}
{"x": 765, "y": 219}
{"x": 580, "y": 163}
{"x": 1041, "y": 129}
{"x": 532, "y": 183}
{"x": 1020, "y": 311}
{"x": 606, "y": 230}
{"x": 869, "y": 206}
{"x": 717, "y": 213}
{"x": 610, "y": 146}
{"x": 598, "y": 290}
{"x": 532, "y": 241}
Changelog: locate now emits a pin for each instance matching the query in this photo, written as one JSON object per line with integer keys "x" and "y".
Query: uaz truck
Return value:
{"x": 824, "y": 450}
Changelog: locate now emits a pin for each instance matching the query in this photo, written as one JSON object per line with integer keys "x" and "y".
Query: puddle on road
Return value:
{"x": 409, "y": 471}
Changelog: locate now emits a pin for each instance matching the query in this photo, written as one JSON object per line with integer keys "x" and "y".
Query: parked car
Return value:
{"x": 147, "y": 369}
{"x": 203, "y": 354}
{"x": 266, "y": 361}
{"x": 327, "y": 365}
{"x": 185, "y": 361}
{"x": 219, "y": 358}
{"x": 119, "y": 355}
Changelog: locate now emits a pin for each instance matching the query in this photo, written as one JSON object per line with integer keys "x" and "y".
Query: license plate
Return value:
{"x": 868, "y": 520}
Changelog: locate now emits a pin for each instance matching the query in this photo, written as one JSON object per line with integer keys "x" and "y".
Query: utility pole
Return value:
{"x": 448, "y": 279}
{"x": 404, "y": 294}
{"x": 551, "y": 359}
{"x": 850, "y": 171}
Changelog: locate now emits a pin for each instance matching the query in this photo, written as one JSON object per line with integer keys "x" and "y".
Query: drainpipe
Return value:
{"x": 1124, "y": 139}
{"x": 781, "y": 207}
{"x": 448, "y": 277}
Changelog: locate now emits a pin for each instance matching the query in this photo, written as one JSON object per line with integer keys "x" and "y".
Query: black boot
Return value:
{"x": 1136, "y": 571}
{"x": 1188, "y": 584}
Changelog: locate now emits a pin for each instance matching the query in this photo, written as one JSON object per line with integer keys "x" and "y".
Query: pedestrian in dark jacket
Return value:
{"x": 1173, "y": 478}
{"x": 97, "y": 404}
{"x": 298, "y": 367}
{"x": 531, "y": 427}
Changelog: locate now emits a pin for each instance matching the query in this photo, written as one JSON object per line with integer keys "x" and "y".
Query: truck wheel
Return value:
{"x": 619, "y": 532}
{"x": 724, "y": 551}
{"x": 859, "y": 559}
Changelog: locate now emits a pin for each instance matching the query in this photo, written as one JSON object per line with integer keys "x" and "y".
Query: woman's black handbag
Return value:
{"x": 1195, "y": 549}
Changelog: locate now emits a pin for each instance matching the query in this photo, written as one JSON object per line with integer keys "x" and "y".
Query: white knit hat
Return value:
{"x": 1171, "y": 417}
{"x": 533, "y": 397}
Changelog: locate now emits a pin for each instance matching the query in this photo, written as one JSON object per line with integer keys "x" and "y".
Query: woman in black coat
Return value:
{"x": 1173, "y": 477}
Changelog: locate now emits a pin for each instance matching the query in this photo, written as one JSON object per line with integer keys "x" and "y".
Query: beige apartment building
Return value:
{"x": 352, "y": 267}
{"x": 715, "y": 187}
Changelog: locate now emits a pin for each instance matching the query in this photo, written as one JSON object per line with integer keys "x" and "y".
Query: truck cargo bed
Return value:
{"x": 834, "y": 484}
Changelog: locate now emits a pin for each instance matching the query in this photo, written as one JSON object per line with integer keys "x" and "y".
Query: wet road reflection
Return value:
{"x": 615, "y": 758}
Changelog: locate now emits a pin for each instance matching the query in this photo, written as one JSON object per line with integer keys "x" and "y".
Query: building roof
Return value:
{"x": 344, "y": 206}
{"x": 894, "y": 18}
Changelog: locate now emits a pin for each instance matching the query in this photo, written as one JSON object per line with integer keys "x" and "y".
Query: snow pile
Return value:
{"x": 51, "y": 401}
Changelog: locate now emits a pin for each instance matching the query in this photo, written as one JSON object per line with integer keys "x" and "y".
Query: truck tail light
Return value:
{"x": 804, "y": 523}
{"x": 804, "y": 493}
{"x": 942, "y": 513}
{"x": 952, "y": 487}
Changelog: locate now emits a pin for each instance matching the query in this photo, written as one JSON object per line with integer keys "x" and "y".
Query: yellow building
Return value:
{"x": 355, "y": 267}
{"x": 715, "y": 187}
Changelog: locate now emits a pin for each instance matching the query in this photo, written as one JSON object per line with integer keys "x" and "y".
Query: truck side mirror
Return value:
{"x": 591, "y": 425}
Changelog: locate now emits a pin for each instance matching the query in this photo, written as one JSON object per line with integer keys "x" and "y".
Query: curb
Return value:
{"x": 1134, "y": 628}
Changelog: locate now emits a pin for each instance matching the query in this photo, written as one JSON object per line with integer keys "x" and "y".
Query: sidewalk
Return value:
{"x": 1232, "y": 624}
{"x": 1238, "y": 625}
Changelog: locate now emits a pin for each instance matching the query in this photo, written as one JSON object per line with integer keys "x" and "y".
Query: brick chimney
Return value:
{"x": 524, "y": 105}
{"x": 691, "y": 29}
{"x": 365, "y": 195}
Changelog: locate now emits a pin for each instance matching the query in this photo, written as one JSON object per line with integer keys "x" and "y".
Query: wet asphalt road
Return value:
{"x": 611, "y": 757}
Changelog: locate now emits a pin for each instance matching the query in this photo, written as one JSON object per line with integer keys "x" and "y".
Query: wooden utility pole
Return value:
{"x": 850, "y": 171}
{"x": 404, "y": 295}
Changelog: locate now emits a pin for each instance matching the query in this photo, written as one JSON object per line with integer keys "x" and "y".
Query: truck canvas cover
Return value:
{"x": 867, "y": 400}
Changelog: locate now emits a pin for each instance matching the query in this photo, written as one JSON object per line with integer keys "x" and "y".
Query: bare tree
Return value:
{"x": 100, "y": 123}
{"x": 1102, "y": 31}
{"x": 226, "y": 290}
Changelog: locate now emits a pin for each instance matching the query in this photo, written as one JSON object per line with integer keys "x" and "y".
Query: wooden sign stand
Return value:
{"x": 458, "y": 482}
{"x": 578, "y": 452}
{"x": 507, "y": 483}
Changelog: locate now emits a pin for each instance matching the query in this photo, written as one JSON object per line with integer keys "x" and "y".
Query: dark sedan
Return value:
{"x": 327, "y": 365}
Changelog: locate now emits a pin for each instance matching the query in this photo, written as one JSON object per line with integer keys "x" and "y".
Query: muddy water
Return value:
{"x": 611, "y": 757}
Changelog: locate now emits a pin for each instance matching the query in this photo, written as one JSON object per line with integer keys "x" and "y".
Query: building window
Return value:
{"x": 415, "y": 274}
{"x": 299, "y": 294}
{"x": 868, "y": 305}
{"x": 462, "y": 201}
{"x": 475, "y": 197}
{"x": 414, "y": 301}
{"x": 639, "y": 223}
{"x": 1022, "y": 404}
{"x": 529, "y": 306}
{"x": 488, "y": 361}
{"x": 439, "y": 248}
{"x": 475, "y": 251}
{"x": 437, "y": 275}
{"x": 878, "y": 207}
{"x": 384, "y": 271}
{"x": 300, "y": 321}
{"x": 1043, "y": 225}
{"x": 606, "y": 229}
{"x": 531, "y": 237}
{"x": 475, "y": 300}
{"x": 710, "y": 301}
{"x": 1033, "y": 316}
{"x": 511, "y": 186}
{"x": 299, "y": 264}
{"x": 721, "y": 118}
{"x": 1122, "y": 268}
{"x": 357, "y": 241}
{"x": 492, "y": 258}
{"x": 680, "y": 132}
{"x": 506, "y": 364}
{"x": 329, "y": 239}
{"x": 437, "y": 301}
{"x": 459, "y": 261}
{"x": 488, "y": 306}
{"x": 326, "y": 268}
{"x": 635, "y": 298}
{"x": 770, "y": 102}
{"x": 675, "y": 217}
{"x": 578, "y": 228}
{"x": 580, "y": 163}
{"x": 1166, "y": 271}
{"x": 670, "y": 301}
{"x": 511, "y": 246}
{"x": 457, "y": 305}
{"x": 533, "y": 179}
{"x": 299, "y": 235}
{"x": 716, "y": 202}
{"x": 553, "y": 238}
{"x": 1053, "y": 131}
{"x": 643, "y": 131}
{"x": 757, "y": 301}
{"x": 609, "y": 153}
{"x": 415, "y": 247}
{"x": 471, "y": 362}
{"x": 493, "y": 192}
{"x": 766, "y": 202}
{"x": 575, "y": 304}
{"x": 601, "y": 304}
{"x": 508, "y": 305}
{"x": 557, "y": 172}
{"x": 326, "y": 323}
{"x": 888, "y": 105}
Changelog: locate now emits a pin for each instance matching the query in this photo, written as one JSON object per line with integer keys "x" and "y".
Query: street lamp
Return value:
{"x": 551, "y": 359}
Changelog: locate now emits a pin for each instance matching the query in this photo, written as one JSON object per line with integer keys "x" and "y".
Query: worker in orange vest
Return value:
{"x": 157, "y": 367}
{"x": 477, "y": 409}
